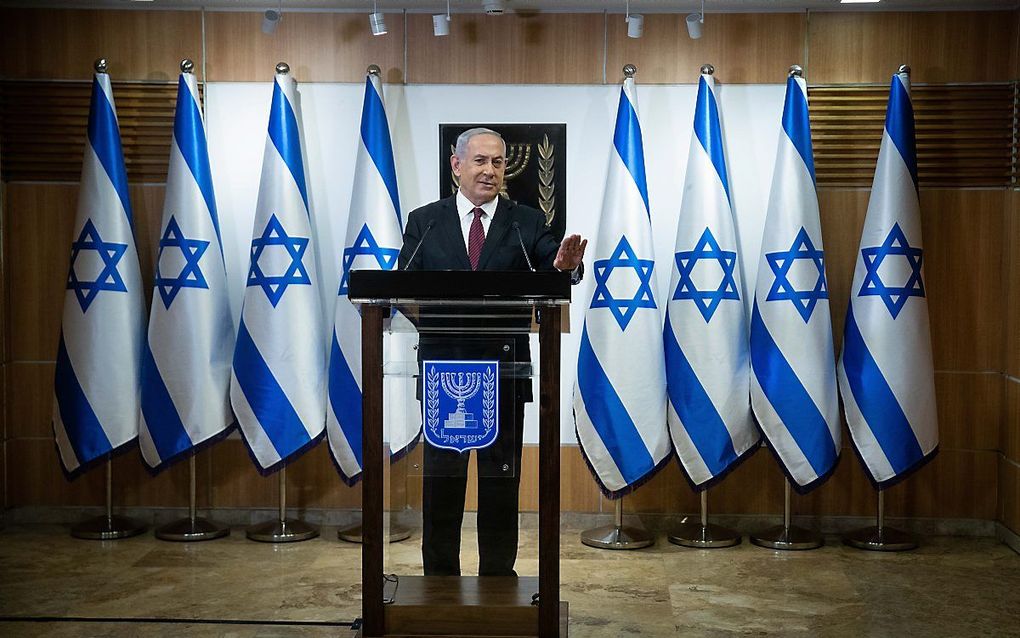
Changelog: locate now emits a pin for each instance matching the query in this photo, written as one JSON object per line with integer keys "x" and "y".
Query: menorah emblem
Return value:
{"x": 460, "y": 386}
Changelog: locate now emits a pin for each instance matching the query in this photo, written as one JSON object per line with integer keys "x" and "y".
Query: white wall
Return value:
{"x": 237, "y": 116}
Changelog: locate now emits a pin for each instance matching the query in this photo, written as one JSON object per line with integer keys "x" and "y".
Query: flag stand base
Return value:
{"x": 617, "y": 535}
{"x": 107, "y": 528}
{"x": 702, "y": 534}
{"x": 788, "y": 538}
{"x": 192, "y": 529}
{"x": 880, "y": 539}
{"x": 353, "y": 534}
{"x": 282, "y": 530}
{"x": 710, "y": 536}
{"x": 288, "y": 530}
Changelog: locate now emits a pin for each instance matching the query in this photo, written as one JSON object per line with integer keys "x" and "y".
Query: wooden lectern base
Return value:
{"x": 464, "y": 606}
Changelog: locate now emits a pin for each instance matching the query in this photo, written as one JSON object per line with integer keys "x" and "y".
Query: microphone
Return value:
{"x": 524, "y": 250}
{"x": 421, "y": 241}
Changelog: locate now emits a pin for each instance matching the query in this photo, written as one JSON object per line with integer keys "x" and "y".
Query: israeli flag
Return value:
{"x": 705, "y": 334}
{"x": 886, "y": 376}
{"x": 793, "y": 363}
{"x": 278, "y": 383}
{"x": 374, "y": 237}
{"x": 620, "y": 407}
{"x": 186, "y": 360}
{"x": 96, "y": 387}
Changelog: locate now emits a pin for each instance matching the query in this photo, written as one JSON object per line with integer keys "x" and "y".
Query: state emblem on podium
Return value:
{"x": 459, "y": 404}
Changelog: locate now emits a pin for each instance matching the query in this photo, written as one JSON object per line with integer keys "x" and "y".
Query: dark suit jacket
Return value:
{"x": 444, "y": 249}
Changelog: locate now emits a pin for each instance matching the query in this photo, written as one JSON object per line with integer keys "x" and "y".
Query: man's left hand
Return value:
{"x": 570, "y": 253}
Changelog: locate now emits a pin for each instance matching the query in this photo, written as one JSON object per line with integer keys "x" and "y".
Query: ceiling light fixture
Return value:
{"x": 635, "y": 23}
{"x": 494, "y": 7}
{"x": 376, "y": 20}
{"x": 270, "y": 20}
{"x": 441, "y": 22}
{"x": 695, "y": 22}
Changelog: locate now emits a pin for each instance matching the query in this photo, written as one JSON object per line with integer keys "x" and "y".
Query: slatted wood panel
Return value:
{"x": 43, "y": 128}
{"x": 965, "y": 133}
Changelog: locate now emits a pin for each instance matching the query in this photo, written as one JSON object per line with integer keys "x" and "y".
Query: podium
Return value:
{"x": 457, "y": 303}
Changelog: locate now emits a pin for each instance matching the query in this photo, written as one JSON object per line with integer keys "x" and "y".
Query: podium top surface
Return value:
{"x": 460, "y": 287}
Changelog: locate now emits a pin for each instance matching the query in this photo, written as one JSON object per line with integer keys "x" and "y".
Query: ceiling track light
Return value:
{"x": 695, "y": 21}
{"x": 635, "y": 23}
{"x": 441, "y": 22}
{"x": 494, "y": 7}
{"x": 271, "y": 19}
{"x": 376, "y": 20}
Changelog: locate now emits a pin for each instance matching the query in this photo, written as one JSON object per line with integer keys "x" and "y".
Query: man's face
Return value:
{"x": 481, "y": 170}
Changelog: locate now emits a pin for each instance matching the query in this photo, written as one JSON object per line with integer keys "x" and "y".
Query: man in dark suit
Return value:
{"x": 478, "y": 230}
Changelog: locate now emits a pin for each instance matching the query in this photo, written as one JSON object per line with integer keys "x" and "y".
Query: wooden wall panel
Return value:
{"x": 235, "y": 482}
{"x": 963, "y": 264}
{"x": 28, "y": 404}
{"x": 1009, "y": 434}
{"x": 319, "y": 47}
{"x": 62, "y": 44}
{"x": 745, "y": 48}
{"x": 35, "y": 477}
{"x": 312, "y": 481}
{"x": 947, "y": 46}
{"x": 1009, "y": 494}
{"x": 38, "y": 221}
{"x": 970, "y": 408}
{"x": 550, "y": 48}
{"x": 1012, "y": 282}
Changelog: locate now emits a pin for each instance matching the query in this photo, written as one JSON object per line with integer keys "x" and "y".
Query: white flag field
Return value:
{"x": 186, "y": 358}
{"x": 619, "y": 408}
{"x": 278, "y": 381}
{"x": 793, "y": 381}
{"x": 96, "y": 385}
{"x": 886, "y": 374}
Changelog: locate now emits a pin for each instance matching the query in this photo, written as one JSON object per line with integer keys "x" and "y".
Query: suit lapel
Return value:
{"x": 497, "y": 230}
{"x": 449, "y": 224}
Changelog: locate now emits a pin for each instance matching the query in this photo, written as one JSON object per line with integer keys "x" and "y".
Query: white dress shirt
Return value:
{"x": 465, "y": 208}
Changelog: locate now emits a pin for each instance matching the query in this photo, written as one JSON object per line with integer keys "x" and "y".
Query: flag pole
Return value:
{"x": 192, "y": 528}
{"x": 108, "y": 527}
{"x": 788, "y": 536}
{"x": 282, "y": 530}
{"x": 880, "y": 538}
{"x": 617, "y": 535}
{"x": 702, "y": 534}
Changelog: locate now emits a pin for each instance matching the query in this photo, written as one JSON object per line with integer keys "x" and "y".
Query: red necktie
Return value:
{"x": 476, "y": 237}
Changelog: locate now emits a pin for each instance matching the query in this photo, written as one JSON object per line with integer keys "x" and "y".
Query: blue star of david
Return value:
{"x": 623, "y": 309}
{"x": 108, "y": 279}
{"x": 782, "y": 289}
{"x": 895, "y": 297}
{"x": 190, "y": 275}
{"x": 706, "y": 300}
{"x": 365, "y": 244}
{"x": 296, "y": 274}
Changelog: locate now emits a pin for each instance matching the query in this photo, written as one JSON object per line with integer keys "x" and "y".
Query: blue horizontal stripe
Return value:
{"x": 709, "y": 131}
{"x": 627, "y": 140}
{"x": 189, "y": 134}
{"x": 790, "y": 399}
{"x": 375, "y": 133}
{"x": 612, "y": 422}
{"x": 270, "y": 405}
{"x": 899, "y": 123}
{"x": 345, "y": 400}
{"x": 104, "y": 138}
{"x": 797, "y": 124}
{"x": 876, "y": 401}
{"x": 161, "y": 417}
{"x": 697, "y": 413}
{"x": 283, "y": 130}
{"x": 84, "y": 431}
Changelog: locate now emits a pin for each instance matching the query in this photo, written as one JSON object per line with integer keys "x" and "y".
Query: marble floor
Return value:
{"x": 53, "y": 585}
